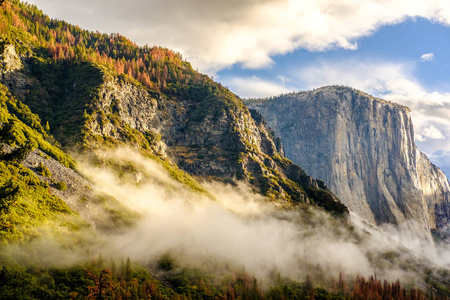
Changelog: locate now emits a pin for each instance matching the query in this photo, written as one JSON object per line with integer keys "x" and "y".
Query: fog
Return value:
{"x": 226, "y": 228}
{"x": 234, "y": 225}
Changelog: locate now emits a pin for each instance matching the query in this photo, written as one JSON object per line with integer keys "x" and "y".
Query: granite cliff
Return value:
{"x": 363, "y": 148}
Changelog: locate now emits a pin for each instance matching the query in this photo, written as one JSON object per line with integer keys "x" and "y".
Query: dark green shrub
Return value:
{"x": 61, "y": 185}
{"x": 166, "y": 263}
{"x": 43, "y": 170}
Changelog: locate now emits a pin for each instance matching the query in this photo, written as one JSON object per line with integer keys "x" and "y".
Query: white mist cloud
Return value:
{"x": 238, "y": 227}
{"x": 256, "y": 87}
{"x": 427, "y": 57}
{"x": 394, "y": 82}
{"x": 216, "y": 34}
{"x": 432, "y": 132}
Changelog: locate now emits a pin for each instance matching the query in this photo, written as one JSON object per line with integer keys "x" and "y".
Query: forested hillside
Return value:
{"x": 84, "y": 85}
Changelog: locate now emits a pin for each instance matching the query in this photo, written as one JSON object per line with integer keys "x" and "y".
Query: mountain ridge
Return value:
{"x": 88, "y": 104}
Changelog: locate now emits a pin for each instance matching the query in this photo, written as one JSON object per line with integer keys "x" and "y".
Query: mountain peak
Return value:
{"x": 363, "y": 147}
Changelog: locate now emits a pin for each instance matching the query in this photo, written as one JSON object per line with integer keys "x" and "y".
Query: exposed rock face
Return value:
{"x": 9, "y": 58}
{"x": 10, "y": 63}
{"x": 229, "y": 144}
{"x": 363, "y": 148}
{"x": 435, "y": 188}
{"x": 211, "y": 135}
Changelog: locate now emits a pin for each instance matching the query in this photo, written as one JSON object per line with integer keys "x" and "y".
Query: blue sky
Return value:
{"x": 398, "y": 50}
{"x": 403, "y": 43}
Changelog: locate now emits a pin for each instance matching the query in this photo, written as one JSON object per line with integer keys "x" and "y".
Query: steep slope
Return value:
{"x": 213, "y": 136}
{"x": 26, "y": 202}
{"x": 363, "y": 148}
{"x": 160, "y": 105}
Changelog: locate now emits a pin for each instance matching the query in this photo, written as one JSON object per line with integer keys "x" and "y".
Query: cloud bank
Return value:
{"x": 256, "y": 87}
{"x": 216, "y": 34}
{"x": 238, "y": 227}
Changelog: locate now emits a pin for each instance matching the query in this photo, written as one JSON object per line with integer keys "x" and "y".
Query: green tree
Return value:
{"x": 128, "y": 270}
{"x": 18, "y": 154}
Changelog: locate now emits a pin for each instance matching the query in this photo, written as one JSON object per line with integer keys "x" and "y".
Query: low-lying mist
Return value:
{"x": 224, "y": 229}
{"x": 236, "y": 226}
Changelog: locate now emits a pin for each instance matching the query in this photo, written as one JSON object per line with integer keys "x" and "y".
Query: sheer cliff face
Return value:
{"x": 363, "y": 148}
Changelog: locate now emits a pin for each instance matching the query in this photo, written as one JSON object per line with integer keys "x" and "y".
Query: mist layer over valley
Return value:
{"x": 234, "y": 224}
{"x": 225, "y": 228}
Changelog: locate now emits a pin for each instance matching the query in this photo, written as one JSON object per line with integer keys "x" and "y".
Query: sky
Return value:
{"x": 398, "y": 50}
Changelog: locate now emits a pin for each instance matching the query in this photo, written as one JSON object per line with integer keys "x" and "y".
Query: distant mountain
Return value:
{"x": 363, "y": 148}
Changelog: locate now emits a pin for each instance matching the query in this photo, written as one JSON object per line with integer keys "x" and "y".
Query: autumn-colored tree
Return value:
{"x": 103, "y": 287}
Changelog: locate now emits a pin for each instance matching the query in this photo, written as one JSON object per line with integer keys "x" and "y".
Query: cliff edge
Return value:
{"x": 363, "y": 148}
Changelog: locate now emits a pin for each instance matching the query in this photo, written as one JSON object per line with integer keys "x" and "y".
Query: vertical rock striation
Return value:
{"x": 363, "y": 148}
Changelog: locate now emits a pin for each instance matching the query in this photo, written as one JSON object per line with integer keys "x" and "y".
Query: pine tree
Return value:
{"x": 114, "y": 270}
{"x": 122, "y": 269}
{"x": 308, "y": 290}
{"x": 100, "y": 261}
{"x": 128, "y": 270}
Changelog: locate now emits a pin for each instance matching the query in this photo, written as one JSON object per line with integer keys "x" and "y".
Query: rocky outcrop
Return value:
{"x": 363, "y": 148}
{"x": 100, "y": 210}
{"x": 9, "y": 59}
{"x": 208, "y": 132}
{"x": 435, "y": 190}
{"x": 10, "y": 64}
{"x": 228, "y": 143}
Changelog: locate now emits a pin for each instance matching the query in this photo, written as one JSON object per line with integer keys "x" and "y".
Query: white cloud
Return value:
{"x": 283, "y": 79}
{"x": 427, "y": 57}
{"x": 217, "y": 34}
{"x": 256, "y": 87}
{"x": 432, "y": 132}
{"x": 372, "y": 77}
